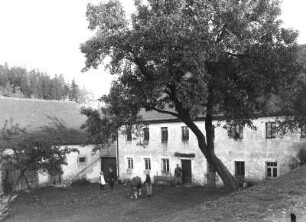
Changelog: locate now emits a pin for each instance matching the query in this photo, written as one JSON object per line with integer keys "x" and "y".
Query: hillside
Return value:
{"x": 270, "y": 200}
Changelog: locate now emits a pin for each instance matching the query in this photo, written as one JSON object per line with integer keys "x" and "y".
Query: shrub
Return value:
{"x": 293, "y": 163}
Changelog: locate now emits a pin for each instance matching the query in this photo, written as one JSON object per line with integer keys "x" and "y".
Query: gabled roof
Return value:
{"x": 45, "y": 116}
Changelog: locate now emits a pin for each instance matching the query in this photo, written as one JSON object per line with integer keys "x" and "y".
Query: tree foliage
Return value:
{"x": 18, "y": 82}
{"x": 194, "y": 57}
{"x": 100, "y": 128}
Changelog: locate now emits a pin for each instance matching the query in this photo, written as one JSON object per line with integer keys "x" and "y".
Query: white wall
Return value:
{"x": 74, "y": 167}
{"x": 254, "y": 149}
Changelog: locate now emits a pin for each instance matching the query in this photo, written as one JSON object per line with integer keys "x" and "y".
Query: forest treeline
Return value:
{"x": 21, "y": 83}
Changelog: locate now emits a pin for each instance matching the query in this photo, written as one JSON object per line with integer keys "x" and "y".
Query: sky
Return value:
{"x": 46, "y": 35}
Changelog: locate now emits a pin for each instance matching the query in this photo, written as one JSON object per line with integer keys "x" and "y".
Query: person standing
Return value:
{"x": 102, "y": 180}
{"x": 148, "y": 185}
{"x": 178, "y": 173}
{"x": 111, "y": 178}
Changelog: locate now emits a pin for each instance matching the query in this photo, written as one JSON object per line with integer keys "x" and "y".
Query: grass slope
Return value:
{"x": 270, "y": 200}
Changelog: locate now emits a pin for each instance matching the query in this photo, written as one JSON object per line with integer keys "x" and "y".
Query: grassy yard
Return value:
{"x": 88, "y": 203}
{"x": 270, "y": 200}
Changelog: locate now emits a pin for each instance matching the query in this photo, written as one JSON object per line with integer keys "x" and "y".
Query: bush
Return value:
{"x": 80, "y": 182}
{"x": 293, "y": 163}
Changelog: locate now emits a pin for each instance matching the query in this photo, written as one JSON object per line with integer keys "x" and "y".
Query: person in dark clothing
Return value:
{"x": 148, "y": 185}
{"x": 111, "y": 178}
{"x": 178, "y": 173}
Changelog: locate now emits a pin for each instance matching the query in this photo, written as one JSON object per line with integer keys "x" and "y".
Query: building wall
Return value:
{"x": 74, "y": 165}
{"x": 254, "y": 149}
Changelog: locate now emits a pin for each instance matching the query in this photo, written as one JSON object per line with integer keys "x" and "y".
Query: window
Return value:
{"x": 239, "y": 169}
{"x": 303, "y": 132}
{"x": 147, "y": 163}
{"x": 164, "y": 134}
{"x": 129, "y": 134}
{"x": 82, "y": 160}
{"x": 270, "y": 130}
{"x": 185, "y": 133}
{"x": 146, "y": 134}
{"x": 130, "y": 163}
{"x": 236, "y": 132}
{"x": 165, "y": 165}
{"x": 271, "y": 169}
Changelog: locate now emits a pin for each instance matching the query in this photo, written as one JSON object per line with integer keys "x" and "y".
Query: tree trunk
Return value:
{"x": 207, "y": 149}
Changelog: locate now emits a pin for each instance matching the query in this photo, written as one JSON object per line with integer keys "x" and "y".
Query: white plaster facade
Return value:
{"x": 92, "y": 163}
{"x": 254, "y": 149}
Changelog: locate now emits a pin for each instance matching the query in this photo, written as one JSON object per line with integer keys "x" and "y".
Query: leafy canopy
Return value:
{"x": 190, "y": 57}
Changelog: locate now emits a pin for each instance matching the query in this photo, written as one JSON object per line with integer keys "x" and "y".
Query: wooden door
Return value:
{"x": 186, "y": 168}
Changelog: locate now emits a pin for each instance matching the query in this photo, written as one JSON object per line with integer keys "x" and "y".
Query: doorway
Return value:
{"x": 106, "y": 163}
{"x": 187, "y": 174}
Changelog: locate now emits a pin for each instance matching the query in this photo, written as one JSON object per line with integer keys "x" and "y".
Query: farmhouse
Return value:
{"x": 43, "y": 116}
{"x": 166, "y": 141}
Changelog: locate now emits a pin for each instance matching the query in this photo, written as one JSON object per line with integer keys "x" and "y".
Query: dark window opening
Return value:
{"x": 164, "y": 134}
{"x": 271, "y": 169}
{"x": 270, "y": 130}
{"x": 146, "y": 134}
{"x": 239, "y": 169}
{"x": 185, "y": 133}
{"x": 236, "y": 132}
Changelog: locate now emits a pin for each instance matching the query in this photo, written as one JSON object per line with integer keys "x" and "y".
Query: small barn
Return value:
{"x": 41, "y": 116}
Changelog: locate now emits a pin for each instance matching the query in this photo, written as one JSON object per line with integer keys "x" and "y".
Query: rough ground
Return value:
{"x": 271, "y": 200}
{"x": 88, "y": 203}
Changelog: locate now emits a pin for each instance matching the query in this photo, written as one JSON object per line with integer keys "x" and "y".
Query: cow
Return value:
{"x": 135, "y": 187}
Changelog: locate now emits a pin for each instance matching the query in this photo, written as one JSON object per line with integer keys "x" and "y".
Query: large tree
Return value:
{"x": 194, "y": 57}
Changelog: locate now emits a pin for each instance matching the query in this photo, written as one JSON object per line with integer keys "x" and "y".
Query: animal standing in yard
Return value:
{"x": 135, "y": 185}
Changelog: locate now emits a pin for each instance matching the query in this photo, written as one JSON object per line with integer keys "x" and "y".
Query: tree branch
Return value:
{"x": 221, "y": 34}
{"x": 165, "y": 111}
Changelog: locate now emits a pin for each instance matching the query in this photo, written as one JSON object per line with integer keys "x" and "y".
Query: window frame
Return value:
{"x": 185, "y": 133}
{"x": 146, "y": 134}
{"x": 270, "y": 130}
{"x": 164, "y": 134}
{"x": 129, "y": 134}
{"x": 236, "y": 132}
{"x": 165, "y": 165}
{"x": 239, "y": 168}
{"x": 130, "y": 163}
{"x": 147, "y": 164}
{"x": 82, "y": 162}
{"x": 273, "y": 170}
